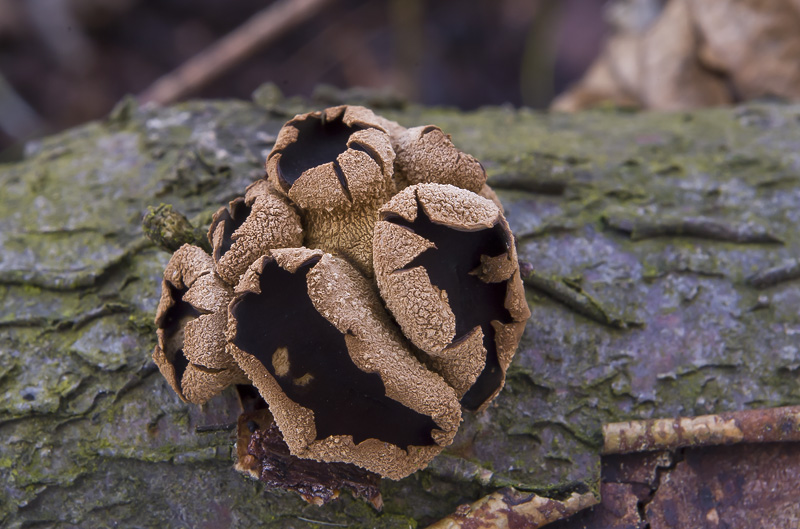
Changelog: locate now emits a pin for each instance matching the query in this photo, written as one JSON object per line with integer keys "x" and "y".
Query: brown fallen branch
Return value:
{"x": 509, "y": 507}
{"x": 261, "y": 29}
{"x": 749, "y": 426}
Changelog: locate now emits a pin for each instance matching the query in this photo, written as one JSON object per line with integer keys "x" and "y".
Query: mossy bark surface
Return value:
{"x": 664, "y": 256}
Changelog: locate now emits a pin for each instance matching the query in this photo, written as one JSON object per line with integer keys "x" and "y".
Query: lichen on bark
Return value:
{"x": 92, "y": 433}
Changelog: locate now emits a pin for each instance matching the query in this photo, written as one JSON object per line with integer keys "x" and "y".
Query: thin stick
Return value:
{"x": 261, "y": 29}
{"x": 511, "y": 508}
{"x": 320, "y": 522}
{"x": 749, "y": 426}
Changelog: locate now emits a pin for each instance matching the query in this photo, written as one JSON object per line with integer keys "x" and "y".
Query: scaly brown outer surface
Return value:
{"x": 267, "y": 221}
{"x": 336, "y": 165}
{"x": 427, "y": 155}
{"x": 427, "y": 313}
{"x": 191, "y": 329}
{"x": 346, "y": 299}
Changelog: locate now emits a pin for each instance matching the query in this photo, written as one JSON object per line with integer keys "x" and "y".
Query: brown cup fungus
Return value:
{"x": 368, "y": 288}
{"x": 249, "y": 227}
{"x": 447, "y": 269}
{"x": 311, "y": 333}
{"x": 336, "y": 166}
{"x": 190, "y": 321}
{"x": 427, "y": 155}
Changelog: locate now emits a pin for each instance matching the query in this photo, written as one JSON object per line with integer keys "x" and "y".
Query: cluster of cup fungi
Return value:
{"x": 364, "y": 292}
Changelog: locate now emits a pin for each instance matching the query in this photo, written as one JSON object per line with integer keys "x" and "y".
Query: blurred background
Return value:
{"x": 64, "y": 62}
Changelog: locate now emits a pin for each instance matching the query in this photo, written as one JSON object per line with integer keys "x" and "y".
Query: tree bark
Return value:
{"x": 661, "y": 256}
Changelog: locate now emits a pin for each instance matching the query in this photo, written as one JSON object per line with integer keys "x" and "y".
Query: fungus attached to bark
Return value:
{"x": 294, "y": 300}
{"x": 191, "y": 320}
{"x": 336, "y": 166}
{"x": 312, "y": 335}
{"x": 263, "y": 454}
{"x": 250, "y": 227}
{"x": 447, "y": 268}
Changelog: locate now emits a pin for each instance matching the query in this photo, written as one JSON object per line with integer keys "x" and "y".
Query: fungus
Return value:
{"x": 337, "y": 167}
{"x": 249, "y": 227}
{"x": 427, "y": 155}
{"x": 190, "y": 319}
{"x": 366, "y": 313}
{"x": 312, "y": 335}
{"x": 446, "y": 265}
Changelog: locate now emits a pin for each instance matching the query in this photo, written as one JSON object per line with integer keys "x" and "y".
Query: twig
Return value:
{"x": 17, "y": 118}
{"x": 320, "y": 522}
{"x": 749, "y": 426}
{"x": 208, "y": 428}
{"x": 262, "y": 28}
{"x": 511, "y": 508}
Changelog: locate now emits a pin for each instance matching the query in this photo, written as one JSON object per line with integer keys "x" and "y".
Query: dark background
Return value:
{"x": 64, "y": 62}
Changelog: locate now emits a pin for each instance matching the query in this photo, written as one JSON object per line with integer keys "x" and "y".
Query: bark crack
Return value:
{"x": 661, "y": 471}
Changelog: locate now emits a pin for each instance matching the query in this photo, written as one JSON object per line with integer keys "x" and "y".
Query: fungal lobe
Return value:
{"x": 336, "y": 167}
{"x": 427, "y": 155}
{"x": 173, "y": 321}
{"x": 191, "y": 319}
{"x": 309, "y": 359}
{"x": 249, "y": 227}
{"x": 451, "y": 266}
{"x": 231, "y": 219}
{"x": 319, "y": 141}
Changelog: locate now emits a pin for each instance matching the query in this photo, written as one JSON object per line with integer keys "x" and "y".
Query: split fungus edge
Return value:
{"x": 440, "y": 252}
{"x": 190, "y": 319}
{"x": 417, "y": 411}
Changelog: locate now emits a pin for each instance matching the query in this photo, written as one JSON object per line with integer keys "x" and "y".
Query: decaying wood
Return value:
{"x": 93, "y": 434}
